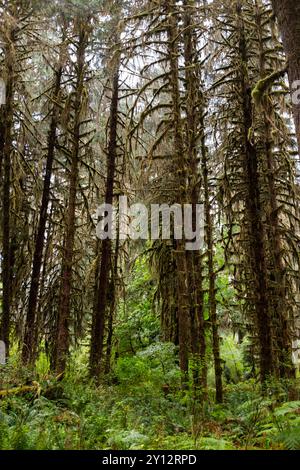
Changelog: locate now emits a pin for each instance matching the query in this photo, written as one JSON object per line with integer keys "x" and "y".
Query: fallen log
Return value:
{"x": 35, "y": 388}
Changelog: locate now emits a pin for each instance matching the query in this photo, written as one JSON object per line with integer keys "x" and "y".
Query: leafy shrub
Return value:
{"x": 128, "y": 440}
{"x": 232, "y": 354}
{"x": 132, "y": 370}
{"x": 212, "y": 443}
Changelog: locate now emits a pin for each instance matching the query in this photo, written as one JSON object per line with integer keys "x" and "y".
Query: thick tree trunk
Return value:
{"x": 194, "y": 262}
{"x": 195, "y": 83}
{"x": 29, "y": 348}
{"x": 99, "y": 315}
{"x": 256, "y": 232}
{"x": 277, "y": 273}
{"x": 6, "y": 151}
{"x": 2, "y": 130}
{"x": 277, "y": 292}
{"x": 288, "y": 15}
{"x": 180, "y": 165}
{"x": 258, "y": 258}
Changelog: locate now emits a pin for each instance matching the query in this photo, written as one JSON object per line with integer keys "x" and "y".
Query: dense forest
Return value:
{"x": 127, "y": 322}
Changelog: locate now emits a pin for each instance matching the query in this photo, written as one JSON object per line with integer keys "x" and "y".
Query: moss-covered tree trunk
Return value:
{"x": 62, "y": 338}
{"x": 112, "y": 302}
{"x": 254, "y": 210}
{"x": 194, "y": 128}
{"x": 101, "y": 300}
{"x": 278, "y": 290}
{"x": 212, "y": 276}
{"x": 29, "y": 346}
{"x": 180, "y": 166}
{"x": 6, "y": 148}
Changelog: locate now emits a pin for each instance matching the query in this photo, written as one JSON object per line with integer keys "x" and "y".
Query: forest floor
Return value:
{"x": 139, "y": 411}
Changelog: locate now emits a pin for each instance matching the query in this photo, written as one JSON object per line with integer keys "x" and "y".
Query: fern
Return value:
{"x": 290, "y": 438}
{"x": 287, "y": 408}
{"x": 212, "y": 443}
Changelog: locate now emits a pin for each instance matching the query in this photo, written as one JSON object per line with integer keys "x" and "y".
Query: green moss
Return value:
{"x": 265, "y": 84}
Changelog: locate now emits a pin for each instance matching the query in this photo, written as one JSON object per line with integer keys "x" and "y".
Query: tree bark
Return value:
{"x": 277, "y": 272}
{"x": 212, "y": 278}
{"x": 256, "y": 232}
{"x": 99, "y": 315}
{"x": 29, "y": 348}
{"x": 194, "y": 128}
{"x": 6, "y": 148}
{"x": 63, "y": 316}
{"x": 180, "y": 166}
{"x": 288, "y": 15}
{"x": 112, "y": 304}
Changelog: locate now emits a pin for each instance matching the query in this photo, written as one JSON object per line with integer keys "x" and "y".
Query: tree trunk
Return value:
{"x": 29, "y": 348}
{"x": 288, "y": 15}
{"x": 277, "y": 275}
{"x": 256, "y": 232}
{"x": 180, "y": 166}
{"x": 112, "y": 305}
{"x": 196, "y": 131}
{"x": 99, "y": 315}
{"x": 212, "y": 278}
{"x": 282, "y": 333}
{"x": 194, "y": 127}
{"x": 63, "y": 317}
{"x": 6, "y": 151}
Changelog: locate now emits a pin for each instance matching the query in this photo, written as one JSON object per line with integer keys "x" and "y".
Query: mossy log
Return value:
{"x": 21, "y": 390}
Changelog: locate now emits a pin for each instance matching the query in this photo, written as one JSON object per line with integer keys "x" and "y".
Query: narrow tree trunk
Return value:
{"x": 194, "y": 262}
{"x": 40, "y": 317}
{"x": 29, "y": 348}
{"x": 180, "y": 165}
{"x": 112, "y": 305}
{"x": 212, "y": 278}
{"x": 99, "y": 315}
{"x": 63, "y": 317}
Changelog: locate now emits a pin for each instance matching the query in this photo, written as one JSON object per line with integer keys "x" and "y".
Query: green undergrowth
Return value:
{"x": 141, "y": 406}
